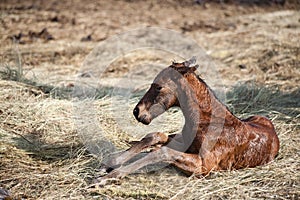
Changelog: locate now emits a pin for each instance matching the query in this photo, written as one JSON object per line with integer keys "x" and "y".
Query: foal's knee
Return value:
{"x": 156, "y": 138}
{"x": 167, "y": 154}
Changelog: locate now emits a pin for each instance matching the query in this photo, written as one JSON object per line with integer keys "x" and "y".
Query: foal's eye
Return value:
{"x": 158, "y": 88}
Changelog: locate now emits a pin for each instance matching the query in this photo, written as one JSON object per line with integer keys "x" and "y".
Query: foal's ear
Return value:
{"x": 194, "y": 68}
{"x": 190, "y": 62}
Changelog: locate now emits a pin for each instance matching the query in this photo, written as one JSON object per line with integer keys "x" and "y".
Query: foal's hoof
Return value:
{"x": 105, "y": 169}
{"x": 102, "y": 181}
{"x": 112, "y": 177}
{"x": 102, "y": 170}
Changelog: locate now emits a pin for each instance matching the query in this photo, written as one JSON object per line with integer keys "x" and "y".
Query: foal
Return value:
{"x": 212, "y": 137}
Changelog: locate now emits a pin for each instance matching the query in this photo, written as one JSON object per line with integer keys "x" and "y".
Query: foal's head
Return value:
{"x": 162, "y": 94}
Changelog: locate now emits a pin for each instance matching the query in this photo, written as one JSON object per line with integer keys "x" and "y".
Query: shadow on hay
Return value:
{"x": 42, "y": 151}
{"x": 249, "y": 99}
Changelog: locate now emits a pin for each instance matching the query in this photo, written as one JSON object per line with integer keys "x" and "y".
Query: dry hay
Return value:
{"x": 43, "y": 157}
{"x": 39, "y": 149}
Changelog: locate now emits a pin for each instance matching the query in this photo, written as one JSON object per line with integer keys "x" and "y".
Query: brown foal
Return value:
{"x": 212, "y": 137}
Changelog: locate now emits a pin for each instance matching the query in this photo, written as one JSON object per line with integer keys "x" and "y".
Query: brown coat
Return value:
{"x": 212, "y": 137}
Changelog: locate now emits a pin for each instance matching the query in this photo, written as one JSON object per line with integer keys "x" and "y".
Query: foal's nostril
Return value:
{"x": 136, "y": 112}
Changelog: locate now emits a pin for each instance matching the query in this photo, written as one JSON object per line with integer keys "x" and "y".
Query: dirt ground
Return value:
{"x": 48, "y": 47}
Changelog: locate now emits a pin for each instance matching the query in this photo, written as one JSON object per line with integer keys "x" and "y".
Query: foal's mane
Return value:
{"x": 183, "y": 70}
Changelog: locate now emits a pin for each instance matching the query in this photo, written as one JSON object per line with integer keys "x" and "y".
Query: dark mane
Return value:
{"x": 213, "y": 92}
{"x": 182, "y": 69}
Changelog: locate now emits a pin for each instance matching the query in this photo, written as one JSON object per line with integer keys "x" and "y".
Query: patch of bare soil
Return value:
{"x": 48, "y": 46}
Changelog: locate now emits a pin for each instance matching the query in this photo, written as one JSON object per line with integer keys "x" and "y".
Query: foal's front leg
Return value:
{"x": 148, "y": 141}
{"x": 190, "y": 163}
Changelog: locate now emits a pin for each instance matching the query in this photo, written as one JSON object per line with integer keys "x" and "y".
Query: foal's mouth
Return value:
{"x": 144, "y": 119}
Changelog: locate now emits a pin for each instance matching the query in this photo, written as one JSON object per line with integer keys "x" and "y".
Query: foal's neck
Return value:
{"x": 200, "y": 105}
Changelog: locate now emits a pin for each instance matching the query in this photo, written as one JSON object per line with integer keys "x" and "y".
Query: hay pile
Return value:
{"x": 42, "y": 156}
{"x": 40, "y": 152}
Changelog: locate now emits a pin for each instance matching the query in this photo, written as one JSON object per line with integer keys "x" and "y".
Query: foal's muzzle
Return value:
{"x": 141, "y": 117}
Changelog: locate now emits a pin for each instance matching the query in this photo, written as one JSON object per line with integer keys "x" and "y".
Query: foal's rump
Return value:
{"x": 259, "y": 122}
{"x": 265, "y": 136}
{"x": 254, "y": 143}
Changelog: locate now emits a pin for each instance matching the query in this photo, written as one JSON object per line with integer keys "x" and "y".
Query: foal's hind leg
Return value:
{"x": 148, "y": 141}
{"x": 189, "y": 163}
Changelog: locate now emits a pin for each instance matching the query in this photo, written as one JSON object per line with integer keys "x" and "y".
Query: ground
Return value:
{"x": 49, "y": 48}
